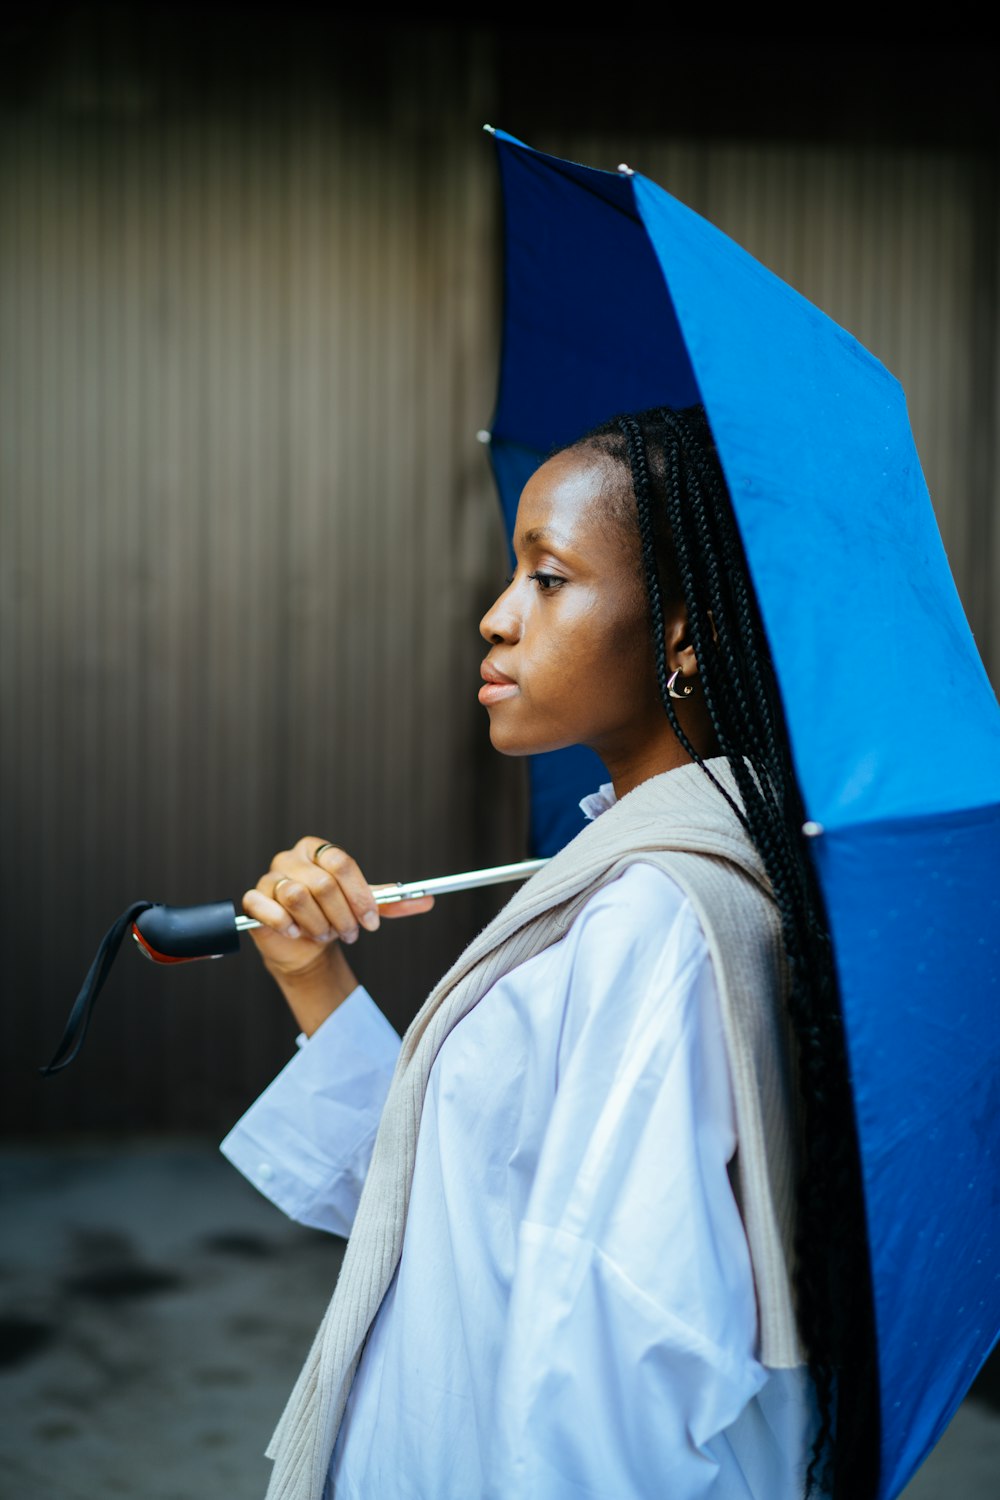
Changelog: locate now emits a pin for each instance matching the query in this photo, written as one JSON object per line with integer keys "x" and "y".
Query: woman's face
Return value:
{"x": 570, "y": 632}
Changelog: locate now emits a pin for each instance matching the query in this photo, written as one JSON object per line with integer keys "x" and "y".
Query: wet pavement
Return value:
{"x": 155, "y": 1310}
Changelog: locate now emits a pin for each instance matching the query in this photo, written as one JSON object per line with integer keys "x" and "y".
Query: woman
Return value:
{"x": 611, "y": 1261}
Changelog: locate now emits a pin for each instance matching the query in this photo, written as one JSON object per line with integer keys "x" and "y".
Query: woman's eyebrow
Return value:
{"x": 543, "y": 534}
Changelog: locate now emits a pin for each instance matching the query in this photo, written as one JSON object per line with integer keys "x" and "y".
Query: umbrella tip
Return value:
{"x": 489, "y": 130}
{"x": 813, "y": 830}
{"x": 625, "y": 169}
{"x": 484, "y": 435}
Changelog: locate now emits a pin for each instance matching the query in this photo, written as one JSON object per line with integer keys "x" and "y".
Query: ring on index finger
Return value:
{"x": 318, "y": 851}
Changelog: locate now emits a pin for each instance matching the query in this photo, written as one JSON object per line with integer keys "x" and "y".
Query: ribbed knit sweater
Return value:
{"x": 679, "y": 822}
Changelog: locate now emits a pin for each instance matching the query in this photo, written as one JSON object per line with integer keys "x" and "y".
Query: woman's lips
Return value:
{"x": 496, "y": 684}
{"x": 492, "y": 692}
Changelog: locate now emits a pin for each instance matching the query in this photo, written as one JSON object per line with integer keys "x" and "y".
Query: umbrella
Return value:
{"x": 618, "y": 298}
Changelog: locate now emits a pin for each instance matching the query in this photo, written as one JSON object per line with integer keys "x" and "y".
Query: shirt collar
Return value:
{"x": 598, "y": 802}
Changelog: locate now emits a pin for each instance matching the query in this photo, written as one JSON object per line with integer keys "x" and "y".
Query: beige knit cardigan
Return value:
{"x": 678, "y": 822}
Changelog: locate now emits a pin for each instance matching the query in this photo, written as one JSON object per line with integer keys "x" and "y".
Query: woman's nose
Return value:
{"x": 501, "y": 622}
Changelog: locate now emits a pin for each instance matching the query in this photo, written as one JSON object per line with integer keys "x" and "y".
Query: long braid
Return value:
{"x": 636, "y": 451}
{"x": 691, "y": 549}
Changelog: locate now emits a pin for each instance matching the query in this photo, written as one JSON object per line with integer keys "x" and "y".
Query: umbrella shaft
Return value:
{"x": 436, "y": 885}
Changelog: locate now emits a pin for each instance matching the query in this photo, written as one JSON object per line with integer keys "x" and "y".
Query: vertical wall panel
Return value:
{"x": 248, "y": 537}
{"x": 248, "y": 332}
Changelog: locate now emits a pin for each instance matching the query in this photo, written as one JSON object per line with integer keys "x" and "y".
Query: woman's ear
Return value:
{"x": 677, "y": 641}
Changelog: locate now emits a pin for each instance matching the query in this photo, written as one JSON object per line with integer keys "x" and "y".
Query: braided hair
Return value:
{"x": 692, "y": 552}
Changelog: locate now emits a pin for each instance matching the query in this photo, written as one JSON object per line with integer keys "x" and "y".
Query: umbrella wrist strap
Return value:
{"x": 79, "y": 1017}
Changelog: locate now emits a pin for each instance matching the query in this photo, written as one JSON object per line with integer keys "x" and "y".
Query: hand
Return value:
{"x": 306, "y": 905}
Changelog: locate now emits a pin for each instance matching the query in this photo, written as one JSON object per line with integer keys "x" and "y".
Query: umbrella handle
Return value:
{"x": 183, "y": 934}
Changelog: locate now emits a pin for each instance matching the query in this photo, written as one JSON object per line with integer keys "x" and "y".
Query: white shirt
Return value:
{"x": 573, "y": 1315}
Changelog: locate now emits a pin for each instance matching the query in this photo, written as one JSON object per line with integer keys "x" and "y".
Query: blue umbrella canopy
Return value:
{"x": 618, "y": 298}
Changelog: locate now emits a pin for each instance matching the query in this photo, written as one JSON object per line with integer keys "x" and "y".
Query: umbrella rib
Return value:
{"x": 557, "y": 166}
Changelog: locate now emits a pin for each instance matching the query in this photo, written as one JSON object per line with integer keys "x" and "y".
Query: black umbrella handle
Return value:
{"x": 181, "y": 934}
{"x": 178, "y": 934}
{"x": 167, "y": 935}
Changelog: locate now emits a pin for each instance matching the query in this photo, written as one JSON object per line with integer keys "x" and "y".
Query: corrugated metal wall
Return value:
{"x": 249, "y": 535}
{"x": 246, "y": 341}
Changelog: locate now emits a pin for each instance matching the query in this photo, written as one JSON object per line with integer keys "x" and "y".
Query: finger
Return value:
{"x": 291, "y": 888}
{"x": 338, "y": 916}
{"x": 411, "y": 908}
{"x": 269, "y": 913}
{"x": 344, "y": 874}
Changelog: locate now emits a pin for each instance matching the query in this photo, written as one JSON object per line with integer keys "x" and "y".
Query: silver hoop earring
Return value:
{"x": 686, "y": 690}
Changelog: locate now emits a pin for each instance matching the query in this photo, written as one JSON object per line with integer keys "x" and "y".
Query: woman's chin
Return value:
{"x": 511, "y": 742}
{"x": 508, "y": 744}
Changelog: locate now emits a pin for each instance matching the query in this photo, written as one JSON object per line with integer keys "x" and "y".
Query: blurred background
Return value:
{"x": 249, "y": 306}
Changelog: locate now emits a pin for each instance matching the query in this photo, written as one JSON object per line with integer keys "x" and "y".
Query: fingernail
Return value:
{"x": 292, "y": 931}
{"x": 370, "y": 920}
{"x": 349, "y": 937}
{"x": 325, "y": 937}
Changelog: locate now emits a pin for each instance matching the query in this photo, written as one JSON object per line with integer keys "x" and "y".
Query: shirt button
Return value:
{"x": 265, "y": 1171}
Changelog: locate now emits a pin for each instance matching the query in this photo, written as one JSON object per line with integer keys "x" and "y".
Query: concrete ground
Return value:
{"x": 154, "y": 1311}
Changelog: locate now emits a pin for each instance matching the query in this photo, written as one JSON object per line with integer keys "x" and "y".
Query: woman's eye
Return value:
{"x": 546, "y": 581}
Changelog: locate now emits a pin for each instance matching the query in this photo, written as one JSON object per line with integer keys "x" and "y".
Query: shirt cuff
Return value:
{"x": 305, "y": 1143}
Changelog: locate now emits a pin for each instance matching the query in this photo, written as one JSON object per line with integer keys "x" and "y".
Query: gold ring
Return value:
{"x": 280, "y": 881}
{"x": 319, "y": 850}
